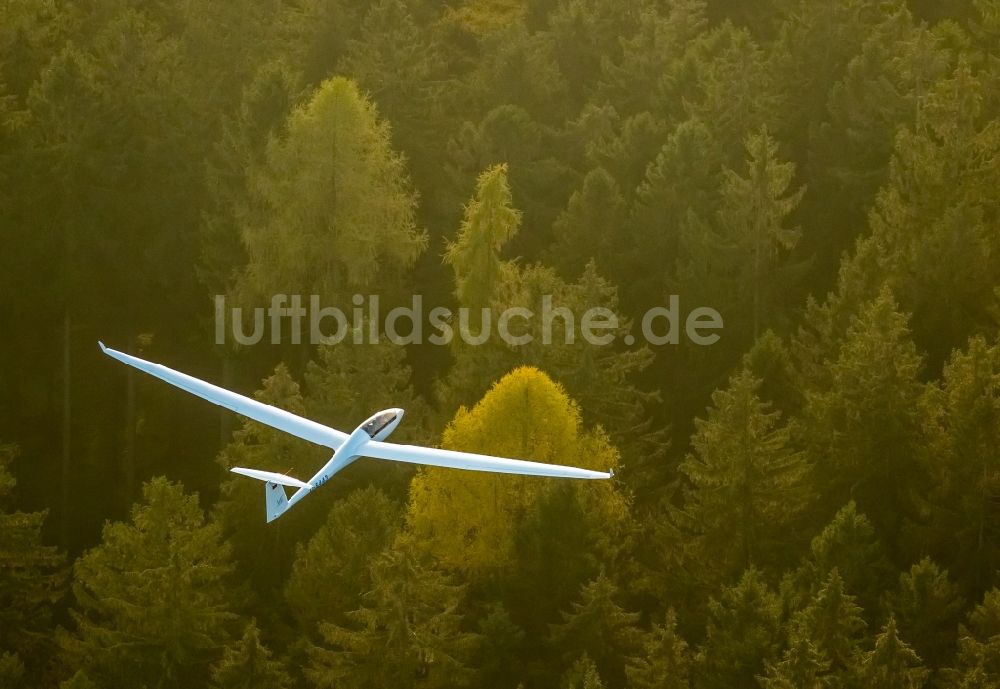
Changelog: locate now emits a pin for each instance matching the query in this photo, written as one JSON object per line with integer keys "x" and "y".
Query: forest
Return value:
{"x": 810, "y": 502}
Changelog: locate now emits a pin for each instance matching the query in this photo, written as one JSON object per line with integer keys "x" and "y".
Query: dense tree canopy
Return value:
{"x": 811, "y": 501}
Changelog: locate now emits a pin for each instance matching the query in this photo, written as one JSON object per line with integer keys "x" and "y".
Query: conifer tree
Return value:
{"x": 489, "y": 223}
{"x": 832, "y": 622}
{"x": 332, "y": 571}
{"x": 850, "y": 545}
{"x": 865, "y": 432}
{"x": 582, "y": 675}
{"x": 248, "y": 664}
{"x": 743, "y": 633}
{"x": 241, "y": 511}
{"x": 337, "y": 212}
{"x": 32, "y": 576}
{"x": 892, "y": 664}
{"x": 665, "y": 662}
{"x": 978, "y": 662}
{"x": 803, "y": 666}
{"x": 154, "y": 599}
{"x": 407, "y": 632}
{"x": 525, "y": 414}
{"x": 587, "y": 228}
{"x": 747, "y": 483}
{"x": 968, "y": 475}
{"x": 927, "y": 607}
{"x": 599, "y": 627}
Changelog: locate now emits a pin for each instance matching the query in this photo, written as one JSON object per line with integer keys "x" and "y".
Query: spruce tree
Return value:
{"x": 248, "y": 664}
{"x": 154, "y": 598}
{"x": 746, "y": 482}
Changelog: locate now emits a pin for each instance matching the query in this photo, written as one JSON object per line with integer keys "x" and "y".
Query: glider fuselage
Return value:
{"x": 378, "y": 427}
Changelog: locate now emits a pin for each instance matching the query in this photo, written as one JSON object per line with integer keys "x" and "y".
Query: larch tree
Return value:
{"x": 525, "y": 414}
{"x": 490, "y": 221}
{"x": 337, "y": 212}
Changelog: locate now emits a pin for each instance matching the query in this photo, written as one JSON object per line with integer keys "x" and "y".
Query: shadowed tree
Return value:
{"x": 597, "y": 626}
{"x": 832, "y": 622}
{"x": 892, "y": 664}
{"x": 154, "y": 599}
{"x": 927, "y": 608}
{"x": 849, "y": 545}
{"x": 866, "y": 432}
{"x": 977, "y": 665}
{"x": 248, "y": 664}
{"x": 332, "y": 571}
{"x": 742, "y": 634}
{"x": 665, "y": 662}
{"x": 746, "y": 484}
{"x": 407, "y": 632}
{"x": 32, "y": 579}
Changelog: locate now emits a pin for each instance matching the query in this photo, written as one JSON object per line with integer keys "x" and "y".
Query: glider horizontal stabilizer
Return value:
{"x": 271, "y": 477}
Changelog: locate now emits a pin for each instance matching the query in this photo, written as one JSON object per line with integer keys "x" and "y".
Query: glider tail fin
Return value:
{"x": 277, "y": 501}
{"x": 274, "y": 489}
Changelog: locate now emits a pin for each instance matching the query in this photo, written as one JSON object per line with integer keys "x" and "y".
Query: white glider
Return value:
{"x": 366, "y": 441}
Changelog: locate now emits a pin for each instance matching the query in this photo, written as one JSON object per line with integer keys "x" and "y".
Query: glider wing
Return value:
{"x": 258, "y": 411}
{"x": 414, "y": 454}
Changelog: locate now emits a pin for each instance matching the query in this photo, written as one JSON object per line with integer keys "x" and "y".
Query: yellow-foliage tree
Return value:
{"x": 470, "y": 520}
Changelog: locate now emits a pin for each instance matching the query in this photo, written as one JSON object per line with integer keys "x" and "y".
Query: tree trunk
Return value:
{"x": 128, "y": 457}
{"x": 67, "y": 436}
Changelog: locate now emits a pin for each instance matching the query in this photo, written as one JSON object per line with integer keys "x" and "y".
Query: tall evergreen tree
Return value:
{"x": 743, "y": 633}
{"x": 154, "y": 600}
{"x": 32, "y": 578}
{"x": 337, "y": 210}
{"x": 665, "y": 662}
{"x": 832, "y": 622}
{"x": 927, "y": 608}
{"x": 332, "y": 571}
{"x": 599, "y": 627}
{"x": 407, "y": 632}
{"x": 865, "y": 432}
{"x": 248, "y": 664}
{"x": 892, "y": 664}
{"x": 850, "y": 545}
{"x": 746, "y": 483}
